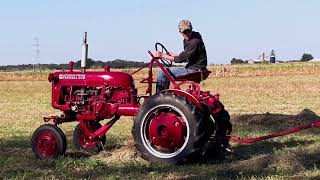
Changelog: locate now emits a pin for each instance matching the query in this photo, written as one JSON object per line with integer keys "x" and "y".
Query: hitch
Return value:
{"x": 57, "y": 119}
{"x": 237, "y": 139}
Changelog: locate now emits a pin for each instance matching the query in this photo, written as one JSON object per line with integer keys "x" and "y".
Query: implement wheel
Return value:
{"x": 169, "y": 129}
{"x": 48, "y": 142}
{"x": 81, "y": 140}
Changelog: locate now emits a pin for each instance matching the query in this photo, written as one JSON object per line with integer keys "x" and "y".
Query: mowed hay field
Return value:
{"x": 260, "y": 98}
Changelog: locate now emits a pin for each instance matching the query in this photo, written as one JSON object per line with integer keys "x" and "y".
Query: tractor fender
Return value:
{"x": 187, "y": 95}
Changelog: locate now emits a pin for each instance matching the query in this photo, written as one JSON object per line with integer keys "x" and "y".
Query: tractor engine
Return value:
{"x": 94, "y": 102}
{"x": 97, "y": 101}
{"x": 89, "y": 101}
{"x": 93, "y": 95}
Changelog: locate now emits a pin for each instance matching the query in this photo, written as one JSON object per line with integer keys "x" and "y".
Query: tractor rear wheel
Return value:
{"x": 48, "y": 142}
{"x": 169, "y": 129}
{"x": 81, "y": 140}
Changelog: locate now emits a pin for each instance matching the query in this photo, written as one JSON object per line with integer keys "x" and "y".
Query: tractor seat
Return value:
{"x": 195, "y": 76}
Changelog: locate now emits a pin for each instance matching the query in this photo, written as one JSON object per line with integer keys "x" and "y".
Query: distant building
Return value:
{"x": 272, "y": 57}
{"x": 251, "y": 61}
{"x": 263, "y": 58}
{"x": 315, "y": 60}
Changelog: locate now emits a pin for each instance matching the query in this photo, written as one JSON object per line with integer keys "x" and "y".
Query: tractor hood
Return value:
{"x": 93, "y": 78}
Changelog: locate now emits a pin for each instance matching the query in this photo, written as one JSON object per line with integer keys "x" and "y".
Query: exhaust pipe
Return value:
{"x": 84, "y": 53}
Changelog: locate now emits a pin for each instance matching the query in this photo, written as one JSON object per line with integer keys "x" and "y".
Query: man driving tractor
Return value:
{"x": 194, "y": 53}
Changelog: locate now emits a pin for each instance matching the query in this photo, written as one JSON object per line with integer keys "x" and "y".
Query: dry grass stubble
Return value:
{"x": 258, "y": 105}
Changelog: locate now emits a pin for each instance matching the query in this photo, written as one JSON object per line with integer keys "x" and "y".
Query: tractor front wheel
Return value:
{"x": 169, "y": 129}
{"x": 48, "y": 142}
{"x": 82, "y": 141}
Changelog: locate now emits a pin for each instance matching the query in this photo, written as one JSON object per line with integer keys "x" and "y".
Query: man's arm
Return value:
{"x": 190, "y": 50}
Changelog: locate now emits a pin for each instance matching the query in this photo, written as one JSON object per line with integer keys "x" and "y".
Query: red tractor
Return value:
{"x": 173, "y": 126}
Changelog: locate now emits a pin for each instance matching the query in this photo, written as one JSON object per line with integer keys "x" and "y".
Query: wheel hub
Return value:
{"x": 47, "y": 144}
{"x": 167, "y": 131}
{"x": 85, "y": 142}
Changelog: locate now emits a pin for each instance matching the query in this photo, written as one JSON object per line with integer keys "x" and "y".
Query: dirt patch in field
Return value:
{"x": 305, "y": 116}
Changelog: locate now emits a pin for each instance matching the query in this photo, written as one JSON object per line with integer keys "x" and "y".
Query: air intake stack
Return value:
{"x": 84, "y": 53}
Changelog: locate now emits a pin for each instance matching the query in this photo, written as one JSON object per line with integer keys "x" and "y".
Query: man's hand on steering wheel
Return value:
{"x": 160, "y": 55}
{"x": 163, "y": 54}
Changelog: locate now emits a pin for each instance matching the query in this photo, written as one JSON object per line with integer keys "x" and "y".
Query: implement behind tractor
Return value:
{"x": 173, "y": 126}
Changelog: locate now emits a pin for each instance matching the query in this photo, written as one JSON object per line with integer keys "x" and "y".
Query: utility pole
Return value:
{"x": 36, "y": 57}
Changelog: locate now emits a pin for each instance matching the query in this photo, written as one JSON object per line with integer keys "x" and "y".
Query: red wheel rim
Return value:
{"x": 47, "y": 144}
{"x": 167, "y": 130}
{"x": 84, "y": 141}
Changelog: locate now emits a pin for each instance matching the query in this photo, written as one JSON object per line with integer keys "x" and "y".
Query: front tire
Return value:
{"x": 48, "y": 142}
{"x": 169, "y": 129}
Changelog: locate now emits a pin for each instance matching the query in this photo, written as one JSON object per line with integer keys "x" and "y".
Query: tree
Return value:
{"x": 236, "y": 61}
{"x": 90, "y": 62}
{"x": 306, "y": 57}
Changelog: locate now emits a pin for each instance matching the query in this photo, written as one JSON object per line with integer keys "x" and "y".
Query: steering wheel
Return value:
{"x": 163, "y": 50}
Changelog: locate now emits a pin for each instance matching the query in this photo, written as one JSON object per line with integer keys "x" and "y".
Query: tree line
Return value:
{"x": 92, "y": 64}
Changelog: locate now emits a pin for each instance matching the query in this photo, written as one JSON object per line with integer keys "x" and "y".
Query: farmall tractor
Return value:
{"x": 173, "y": 126}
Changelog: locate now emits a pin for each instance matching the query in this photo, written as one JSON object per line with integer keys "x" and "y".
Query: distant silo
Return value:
{"x": 272, "y": 57}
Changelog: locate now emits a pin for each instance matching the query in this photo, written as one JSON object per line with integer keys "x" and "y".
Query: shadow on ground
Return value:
{"x": 18, "y": 145}
{"x": 271, "y": 156}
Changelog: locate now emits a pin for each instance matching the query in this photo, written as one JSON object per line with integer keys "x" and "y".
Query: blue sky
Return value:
{"x": 127, "y": 29}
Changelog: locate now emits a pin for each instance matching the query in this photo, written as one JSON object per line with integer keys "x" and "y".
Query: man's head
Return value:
{"x": 185, "y": 27}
